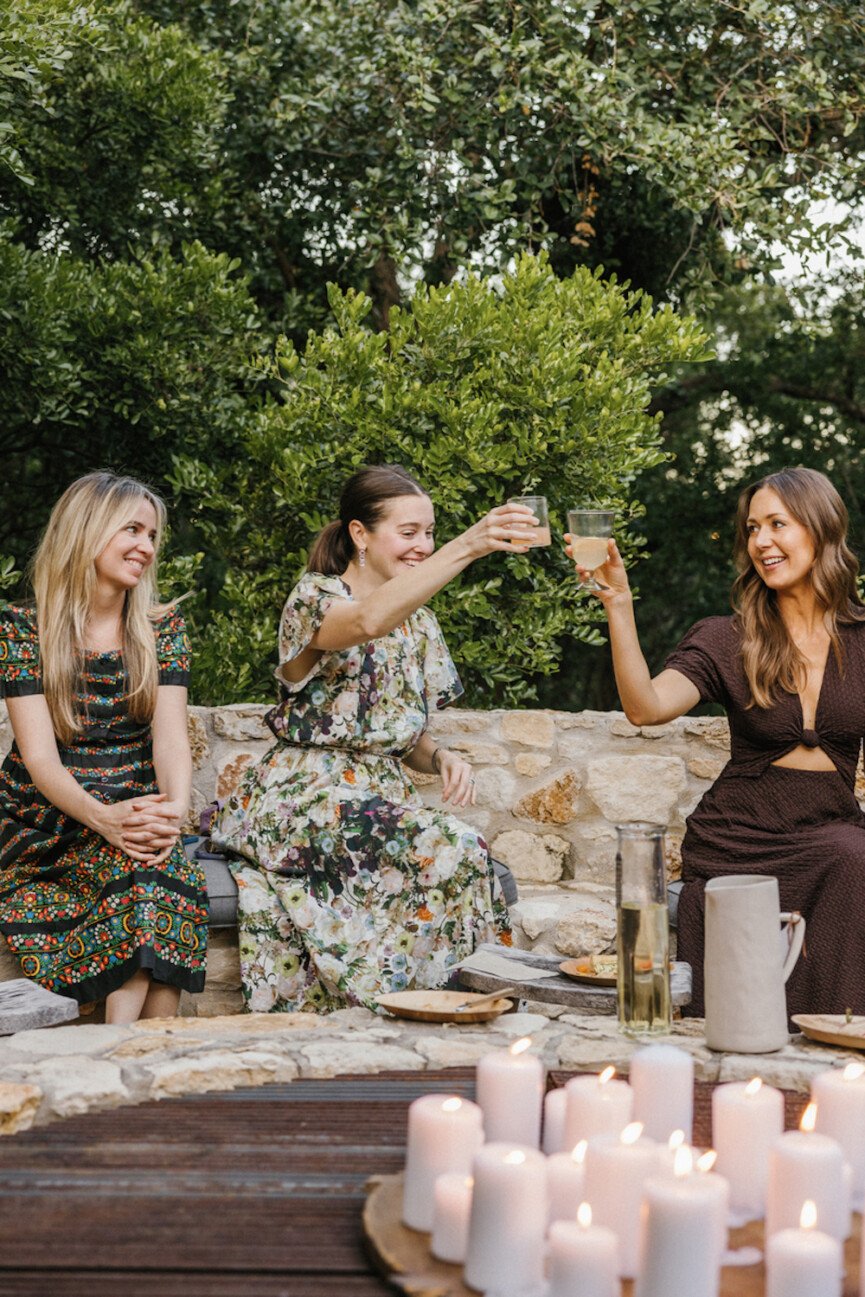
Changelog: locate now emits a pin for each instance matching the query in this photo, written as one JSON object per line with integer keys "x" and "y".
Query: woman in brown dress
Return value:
{"x": 789, "y": 670}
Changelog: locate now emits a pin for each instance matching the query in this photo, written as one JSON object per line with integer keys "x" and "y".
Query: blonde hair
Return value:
{"x": 63, "y": 575}
{"x": 771, "y": 660}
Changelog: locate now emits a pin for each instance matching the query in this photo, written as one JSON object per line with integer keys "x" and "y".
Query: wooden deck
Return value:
{"x": 255, "y": 1193}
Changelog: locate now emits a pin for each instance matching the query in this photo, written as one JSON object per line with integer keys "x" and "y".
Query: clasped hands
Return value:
{"x": 145, "y": 828}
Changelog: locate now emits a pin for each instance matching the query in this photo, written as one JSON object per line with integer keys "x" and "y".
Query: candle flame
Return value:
{"x": 676, "y": 1140}
{"x": 683, "y": 1162}
{"x": 853, "y": 1071}
{"x": 452, "y": 1105}
{"x": 470, "y": 1182}
{"x": 707, "y": 1161}
{"x": 520, "y": 1046}
{"x": 808, "y": 1219}
{"x": 578, "y": 1153}
{"x": 809, "y": 1118}
{"x": 754, "y": 1087}
{"x": 515, "y": 1157}
{"x": 584, "y": 1215}
{"x": 632, "y": 1133}
{"x": 607, "y": 1075}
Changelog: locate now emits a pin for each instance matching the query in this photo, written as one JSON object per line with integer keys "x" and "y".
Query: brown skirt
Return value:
{"x": 805, "y": 828}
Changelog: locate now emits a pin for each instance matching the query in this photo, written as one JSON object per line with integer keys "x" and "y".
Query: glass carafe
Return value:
{"x": 642, "y": 930}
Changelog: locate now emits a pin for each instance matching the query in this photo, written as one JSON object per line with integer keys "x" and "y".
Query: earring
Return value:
{"x": 361, "y": 556}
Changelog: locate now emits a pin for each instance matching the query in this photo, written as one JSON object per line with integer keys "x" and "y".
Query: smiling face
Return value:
{"x": 130, "y": 551}
{"x": 402, "y": 538}
{"x": 780, "y": 547}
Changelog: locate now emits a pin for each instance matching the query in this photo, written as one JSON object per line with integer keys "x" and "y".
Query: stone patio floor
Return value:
{"x": 60, "y": 1071}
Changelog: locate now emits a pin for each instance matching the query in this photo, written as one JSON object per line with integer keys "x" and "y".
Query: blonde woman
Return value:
{"x": 96, "y": 896}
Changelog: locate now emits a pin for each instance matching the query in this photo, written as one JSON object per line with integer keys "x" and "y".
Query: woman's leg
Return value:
{"x": 161, "y": 1001}
{"x": 125, "y": 1004}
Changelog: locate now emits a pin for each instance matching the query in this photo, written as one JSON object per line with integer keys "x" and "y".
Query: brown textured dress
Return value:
{"x": 803, "y": 826}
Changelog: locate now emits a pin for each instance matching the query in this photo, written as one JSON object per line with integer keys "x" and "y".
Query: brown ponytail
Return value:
{"x": 364, "y": 499}
{"x": 331, "y": 553}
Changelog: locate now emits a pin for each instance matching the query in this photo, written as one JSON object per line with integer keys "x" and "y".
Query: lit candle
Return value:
{"x": 508, "y": 1220}
{"x": 510, "y": 1092}
{"x": 443, "y": 1135}
{"x": 555, "y": 1108}
{"x": 805, "y": 1165}
{"x": 720, "y": 1187}
{"x": 565, "y": 1180}
{"x": 617, "y": 1167}
{"x": 662, "y": 1078}
{"x": 583, "y": 1261}
{"x": 679, "y": 1239}
{"x": 453, "y": 1203}
{"x": 840, "y": 1098}
{"x": 667, "y": 1155}
{"x": 596, "y": 1105}
{"x": 803, "y": 1262}
{"x": 747, "y": 1121}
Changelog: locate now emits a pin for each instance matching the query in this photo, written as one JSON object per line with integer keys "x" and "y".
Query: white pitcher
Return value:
{"x": 745, "y": 965}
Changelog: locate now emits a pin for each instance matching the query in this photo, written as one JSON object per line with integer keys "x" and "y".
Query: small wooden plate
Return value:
{"x": 440, "y": 1006}
{"x": 832, "y": 1029}
{"x": 581, "y": 971}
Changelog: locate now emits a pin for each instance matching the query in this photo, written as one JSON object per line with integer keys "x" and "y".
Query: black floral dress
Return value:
{"x": 79, "y": 914}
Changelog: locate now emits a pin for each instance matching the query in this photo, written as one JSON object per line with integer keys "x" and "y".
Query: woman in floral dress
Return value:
{"x": 96, "y": 895}
{"x": 351, "y": 887}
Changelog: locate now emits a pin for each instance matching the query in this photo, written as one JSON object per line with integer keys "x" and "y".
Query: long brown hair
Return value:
{"x": 364, "y": 499}
{"x": 771, "y": 660}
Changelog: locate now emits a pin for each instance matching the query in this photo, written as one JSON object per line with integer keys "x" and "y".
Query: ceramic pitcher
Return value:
{"x": 747, "y": 963}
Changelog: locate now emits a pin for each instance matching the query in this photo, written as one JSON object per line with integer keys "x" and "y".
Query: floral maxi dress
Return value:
{"x": 350, "y": 886}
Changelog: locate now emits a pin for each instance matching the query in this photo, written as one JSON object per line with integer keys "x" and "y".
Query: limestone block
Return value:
{"x": 481, "y": 754}
{"x": 223, "y": 960}
{"x": 74, "y": 1084}
{"x": 537, "y": 915}
{"x": 706, "y": 767}
{"x": 531, "y": 764}
{"x": 218, "y": 1070}
{"x": 532, "y": 857}
{"x": 587, "y": 720}
{"x": 535, "y": 729}
{"x": 197, "y": 802}
{"x": 218, "y": 1001}
{"x": 596, "y": 853}
{"x": 458, "y": 720}
{"x": 335, "y": 1057}
{"x": 713, "y": 730}
{"x": 577, "y": 747}
{"x": 623, "y": 729}
{"x": 58, "y": 1042}
{"x": 555, "y": 803}
{"x": 522, "y": 1024}
{"x": 18, "y": 1106}
{"x": 636, "y": 787}
{"x": 588, "y": 928}
{"x": 10, "y": 969}
{"x": 674, "y": 857}
{"x": 231, "y": 772}
{"x": 421, "y": 779}
{"x": 198, "y": 744}
{"x": 239, "y": 722}
{"x": 495, "y": 788}
{"x": 452, "y": 1050}
{"x": 668, "y": 731}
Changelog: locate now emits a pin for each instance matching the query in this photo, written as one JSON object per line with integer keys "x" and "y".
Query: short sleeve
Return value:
{"x": 699, "y": 655}
{"x": 20, "y": 671}
{"x": 442, "y": 684}
{"x": 301, "y": 617}
{"x": 172, "y": 649}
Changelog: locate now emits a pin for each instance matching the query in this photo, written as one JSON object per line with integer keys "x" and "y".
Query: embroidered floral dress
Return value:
{"x": 80, "y": 915}
{"x": 353, "y": 888}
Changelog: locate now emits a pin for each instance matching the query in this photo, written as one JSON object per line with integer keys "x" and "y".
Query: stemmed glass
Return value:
{"x": 590, "y": 530}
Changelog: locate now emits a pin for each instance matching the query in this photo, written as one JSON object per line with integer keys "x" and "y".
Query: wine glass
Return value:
{"x": 590, "y": 530}
{"x": 530, "y": 535}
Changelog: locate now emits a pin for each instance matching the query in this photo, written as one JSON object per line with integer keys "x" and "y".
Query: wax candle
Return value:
{"x": 453, "y": 1201}
{"x": 667, "y": 1154}
{"x": 662, "y": 1078}
{"x": 508, "y": 1220}
{"x": 747, "y": 1121}
{"x": 840, "y": 1097}
{"x": 443, "y": 1135}
{"x": 803, "y": 1262}
{"x": 679, "y": 1238}
{"x": 582, "y": 1258}
{"x": 596, "y": 1105}
{"x": 862, "y": 1263}
{"x": 805, "y": 1165}
{"x": 617, "y": 1167}
{"x": 566, "y": 1178}
{"x": 555, "y": 1108}
{"x": 510, "y": 1092}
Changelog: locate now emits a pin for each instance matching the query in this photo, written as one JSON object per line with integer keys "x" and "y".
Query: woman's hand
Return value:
{"x": 145, "y": 828}
{"x": 611, "y": 575}
{"x": 458, "y": 781}
{"x": 501, "y": 528}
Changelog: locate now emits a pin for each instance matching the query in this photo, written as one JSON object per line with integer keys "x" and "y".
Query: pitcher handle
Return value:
{"x": 795, "y": 937}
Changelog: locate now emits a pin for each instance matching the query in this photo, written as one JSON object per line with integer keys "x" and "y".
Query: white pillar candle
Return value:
{"x": 803, "y": 1262}
{"x": 747, "y": 1121}
{"x": 667, "y": 1154}
{"x": 443, "y": 1135}
{"x": 617, "y": 1167}
{"x": 720, "y": 1188}
{"x": 596, "y": 1105}
{"x": 582, "y": 1258}
{"x": 840, "y": 1097}
{"x": 555, "y": 1108}
{"x": 510, "y": 1092}
{"x": 453, "y": 1202}
{"x": 662, "y": 1078}
{"x": 862, "y": 1262}
{"x": 508, "y": 1221}
{"x": 805, "y": 1165}
{"x": 679, "y": 1238}
{"x": 566, "y": 1176}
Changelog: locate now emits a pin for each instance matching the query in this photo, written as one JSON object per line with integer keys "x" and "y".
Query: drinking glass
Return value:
{"x": 590, "y": 529}
{"x": 642, "y": 930}
{"x": 529, "y": 535}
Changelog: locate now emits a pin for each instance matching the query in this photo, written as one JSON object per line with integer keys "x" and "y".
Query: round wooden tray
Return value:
{"x": 403, "y": 1255}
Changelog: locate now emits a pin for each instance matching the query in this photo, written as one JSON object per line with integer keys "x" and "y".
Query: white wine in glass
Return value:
{"x": 530, "y": 534}
{"x": 590, "y": 529}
